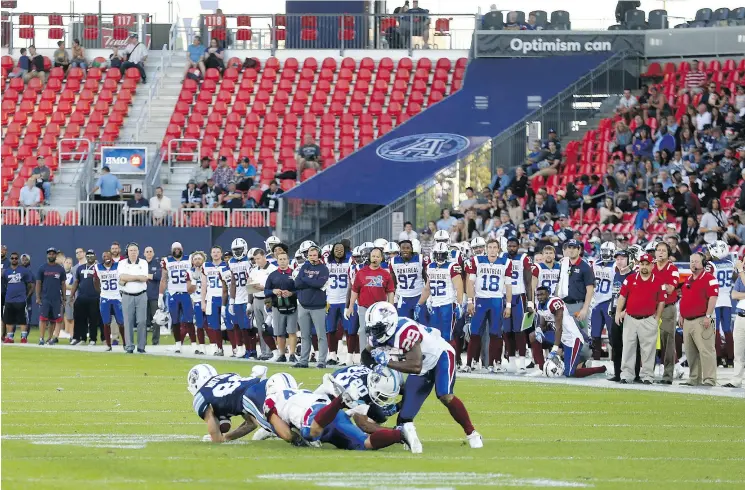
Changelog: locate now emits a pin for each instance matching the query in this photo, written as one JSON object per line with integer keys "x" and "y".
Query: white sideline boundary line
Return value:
{"x": 593, "y": 382}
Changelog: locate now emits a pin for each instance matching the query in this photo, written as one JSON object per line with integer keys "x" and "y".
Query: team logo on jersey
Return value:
{"x": 422, "y": 147}
{"x": 375, "y": 281}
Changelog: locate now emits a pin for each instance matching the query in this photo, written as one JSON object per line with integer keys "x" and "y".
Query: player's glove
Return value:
{"x": 389, "y": 410}
{"x": 459, "y": 311}
{"x": 554, "y": 354}
{"x": 249, "y": 308}
{"x": 430, "y": 310}
{"x": 539, "y": 335}
{"x": 161, "y": 303}
{"x": 208, "y": 307}
{"x": 417, "y": 312}
{"x": 381, "y": 357}
{"x": 379, "y": 369}
{"x": 231, "y": 308}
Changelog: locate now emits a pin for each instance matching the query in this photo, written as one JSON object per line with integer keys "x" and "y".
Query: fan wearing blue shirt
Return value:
{"x": 195, "y": 56}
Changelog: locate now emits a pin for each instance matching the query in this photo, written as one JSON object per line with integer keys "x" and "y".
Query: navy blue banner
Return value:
{"x": 494, "y": 97}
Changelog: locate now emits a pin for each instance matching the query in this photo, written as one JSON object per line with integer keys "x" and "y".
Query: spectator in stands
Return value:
{"x": 210, "y": 195}
{"x": 36, "y": 68}
{"x": 623, "y": 137}
{"x": 595, "y": 193}
{"x": 61, "y": 58}
{"x": 202, "y": 173}
{"x": 740, "y": 98}
{"x": 244, "y": 175}
{"x": 642, "y": 216}
{"x": 136, "y": 56}
{"x": 656, "y": 105}
{"x": 735, "y": 234}
{"x": 223, "y": 174}
{"x": 549, "y": 166}
{"x": 713, "y": 222}
{"x": 231, "y": 198}
{"x": 643, "y": 146}
{"x": 511, "y": 24}
{"x": 43, "y": 175}
{"x": 138, "y": 208}
{"x": 624, "y": 6}
{"x": 710, "y": 96}
{"x": 703, "y": 117}
{"x": 115, "y": 58}
{"x": 427, "y": 242}
{"x": 627, "y": 103}
{"x": 214, "y": 57}
{"x": 408, "y": 233}
{"x": 531, "y": 24}
{"x": 469, "y": 201}
{"x": 501, "y": 181}
{"x": 308, "y": 156}
{"x": 446, "y": 221}
{"x": 610, "y": 214}
{"x": 270, "y": 197}
{"x": 416, "y": 23}
{"x": 562, "y": 204}
{"x": 24, "y": 64}
{"x": 694, "y": 80}
{"x": 160, "y": 208}
{"x": 519, "y": 185}
{"x": 552, "y": 137}
{"x": 30, "y": 194}
{"x": 191, "y": 197}
{"x": 78, "y": 55}
{"x": 109, "y": 185}
{"x": 195, "y": 57}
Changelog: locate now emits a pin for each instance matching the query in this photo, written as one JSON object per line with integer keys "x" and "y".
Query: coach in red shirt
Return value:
{"x": 371, "y": 284}
{"x": 700, "y": 294}
{"x": 666, "y": 272}
{"x": 640, "y": 305}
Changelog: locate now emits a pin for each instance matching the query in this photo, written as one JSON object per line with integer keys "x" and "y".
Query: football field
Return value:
{"x": 76, "y": 420}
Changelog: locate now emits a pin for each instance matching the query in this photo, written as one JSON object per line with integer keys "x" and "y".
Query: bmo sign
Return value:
{"x": 124, "y": 159}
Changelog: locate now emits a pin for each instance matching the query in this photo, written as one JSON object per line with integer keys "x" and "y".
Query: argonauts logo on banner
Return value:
{"x": 124, "y": 160}
{"x": 422, "y": 147}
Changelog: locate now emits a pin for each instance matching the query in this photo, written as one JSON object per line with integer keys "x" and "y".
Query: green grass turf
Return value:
{"x": 535, "y": 435}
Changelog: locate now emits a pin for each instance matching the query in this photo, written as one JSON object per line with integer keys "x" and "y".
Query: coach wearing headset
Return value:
{"x": 371, "y": 284}
{"x": 666, "y": 272}
{"x": 697, "y": 303}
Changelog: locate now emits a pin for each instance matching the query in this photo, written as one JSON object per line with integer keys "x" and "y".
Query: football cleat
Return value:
{"x": 108, "y": 348}
{"x": 41, "y": 342}
{"x": 466, "y": 368}
{"x": 474, "y": 440}
{"x": 198, "y": 352}
{"x": 219, "y": 353}
{"x": 262, "y": 434}
{"x": 74, "y": 342}
{"x": 92, "y": 343}
{"x": 410, "y": 438}
{"x": 24, "y": 340}
{"x": 7, "y": 340}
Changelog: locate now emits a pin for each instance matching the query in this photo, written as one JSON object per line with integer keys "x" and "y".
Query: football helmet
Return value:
{"x": 251, "y": 252}
{"x": 553, "y": 367}
{"x": 442, "y": 236}
{"x": 381, "y": 319}
{"x": 271, "y": 242}
{"x": 305, "y": 246}
{"x": 365, "y": 250}
{"x": 465, "y": 249}
{"x": 384, "y": 388}
{"x": 198, "y": 376}
{"x": 607, "y": 250}
{"x": 651, "y": 246}
{"x": 416, "y": 246}
{"x": 239, "y": 248}
{"x": 478, "y": 246}
{"x": 326, "y": 250}
{"x": 356, "y": 254}
{"x": 440, "y": 253}
{"x": 719, "y": 250}
{"x": 161, "y": 318}
{"x": 391, "y": 250}
{"x": 380, "y": 243}
{"x": 635, "y": 251}
{"x": 280, "y": 382}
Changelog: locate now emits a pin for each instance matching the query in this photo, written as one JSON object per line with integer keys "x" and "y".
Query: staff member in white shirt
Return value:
{"x": 257, "y": 278}
{"x": 133, "y": 277}
{"x": 137, "y": 54}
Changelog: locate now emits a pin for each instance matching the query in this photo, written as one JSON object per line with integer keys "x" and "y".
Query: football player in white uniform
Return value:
{"x": 175, "y": 280}
{"x": 722, "y": 267}
{"x": 515, "y": 339}
{"x": 106, "y": 281}
{"x": 409, "y": 278}
{"x": 214, "y": 296}
{"x": 337, "y": 289}
{"x": 605, "y": 270}
{"x": 240, "y": 306}
{"x": 445, "y": 287}
{"x": 557, "y": 326}
{"x": 198, "y": 282}
{"x": 406, "y": 346}
{"x": 269, "y": 244}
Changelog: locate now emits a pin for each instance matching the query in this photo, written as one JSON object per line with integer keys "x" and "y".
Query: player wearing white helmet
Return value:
{"x": 515, "y": 338}
{"x": 326, "y": 252}
{"x": 442, "y": 236}
{"x": 489, "y": 288}
{"x": 391, "y": 250}
{"x": 337, "y": 292}
{"x": 445, "y": 286}
{"x": 175, "y": 280}
{"x": 219, "y": 397}
{"x": 270, "y": 243}
{"x": 239, "y": 309}
{"x": 416, "y": 246}
{"x": 257, "y": 281}
{"x": 478, "y": 246}
{"x": 380, "y": 243}
{"x": 298, "y": 261}
{"x": 723, "y": 268}
{"x": 213, "y": 293}
{"x": 605, "y": 270}
{"x": 465, "y": 249}
{"x": 408, "y": 275}
{"x": 409, "y": 347}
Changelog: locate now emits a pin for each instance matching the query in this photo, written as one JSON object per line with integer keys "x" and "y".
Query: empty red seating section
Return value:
{"x": 265, "y": 113}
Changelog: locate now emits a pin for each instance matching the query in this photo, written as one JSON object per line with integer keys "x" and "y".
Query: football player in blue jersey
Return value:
{"x": 219, "y": 397}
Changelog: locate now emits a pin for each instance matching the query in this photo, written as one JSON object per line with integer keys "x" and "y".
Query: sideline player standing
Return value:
{"x": 604, "y": 271}
{"x": 408, "y": 275}
{"x": 50, "y": 295}
{"x": 489, "y": 289}
{"x": 522, "y": 302}
{"x": 666, "y": 271}
{"x": 336, "y": 292}
{"x": 445, "y": 287}
{"x": 239, "y": 308}
{"x": 106, "y": 281}
{"x": 175, "y": 280}
{"x": 722, "y": 268}
{"x": 17, "y": 287}
{"x": 213, "y": 295}
{"x": 198, "y": 283}
{"x": 427, "y": 358}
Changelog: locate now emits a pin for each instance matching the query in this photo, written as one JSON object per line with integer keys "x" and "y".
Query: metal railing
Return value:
{"x": 564, "y": 112}
{"x": 156, "y": 83}
{"x": 339, "y": 31}
{"x": 117, "y": 213}
{"x": 37, "y": 215}
{"x": 95, "y": 30}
